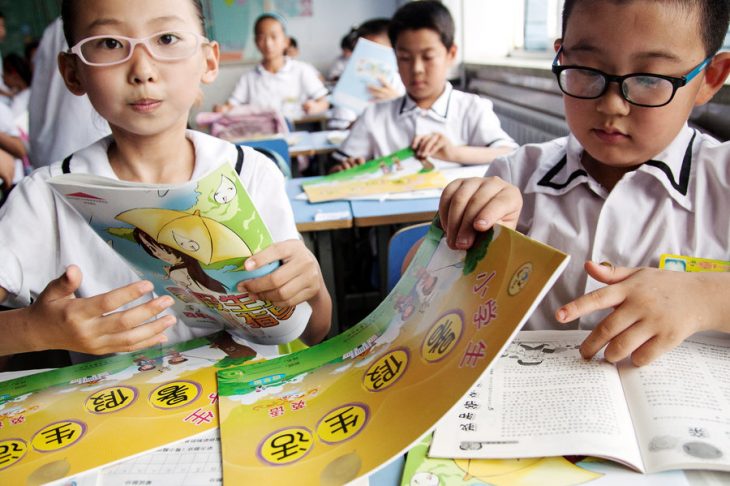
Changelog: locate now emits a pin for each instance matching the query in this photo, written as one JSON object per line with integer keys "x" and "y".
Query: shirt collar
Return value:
{"x": 671, "y": 168}
{"x": 285, "y": 68}
{"x": 439, "y": 110}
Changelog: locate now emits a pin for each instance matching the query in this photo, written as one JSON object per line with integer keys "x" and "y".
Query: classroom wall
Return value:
{"x": 318, "y": 37}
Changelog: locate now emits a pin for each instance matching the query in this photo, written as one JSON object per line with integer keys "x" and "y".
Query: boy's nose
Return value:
{"x": 612, "y": 102}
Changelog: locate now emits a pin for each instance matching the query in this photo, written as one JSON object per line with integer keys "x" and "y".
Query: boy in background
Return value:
{"x": 433, "y": 118}
{"x": 632, "y": 181}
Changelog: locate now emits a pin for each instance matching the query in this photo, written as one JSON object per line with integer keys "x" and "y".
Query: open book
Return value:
{"x": 542, "y": 399}
{"x": 191, "y": 241}
{"x": 339, "y": 410}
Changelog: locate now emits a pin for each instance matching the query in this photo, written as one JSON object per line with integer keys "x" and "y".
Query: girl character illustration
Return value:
{"x": 184, "y": 270}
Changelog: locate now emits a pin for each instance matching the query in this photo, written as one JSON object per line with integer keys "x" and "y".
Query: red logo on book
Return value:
{"x": 83, "y": 195}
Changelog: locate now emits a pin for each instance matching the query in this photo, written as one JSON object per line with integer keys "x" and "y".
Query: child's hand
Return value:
{"x": 297, "y": 280}
{"x": 476, "y": 204}
{"x": 59, "y": 320}
{"x": 435, "y": 144}
{"x": 312, "y": 107}
{"x": 7, "y": 169}
{"x": 348, "y": 163}
{"x": 654, "y": 310}
{"x": 384, "y": 92}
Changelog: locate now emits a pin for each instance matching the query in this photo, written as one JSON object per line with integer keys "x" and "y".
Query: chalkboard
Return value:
{"x": 230, "y": 22}
{"x": 25, "y": 21}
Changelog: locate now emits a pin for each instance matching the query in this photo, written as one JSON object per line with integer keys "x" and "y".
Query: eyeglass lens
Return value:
{"x": 168, "y": 46}
{"x": 644, "y": 90}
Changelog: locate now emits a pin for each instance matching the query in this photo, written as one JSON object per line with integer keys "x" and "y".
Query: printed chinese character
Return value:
{"x": 174, "y": 394}
{"x": 466, "y": 416}
{"x": 471, "y": 405}
{"x": 213, "y": 397}
{"x": 385, "y": 371}
{"x": 286, "y": 446}
{"x": 11, "y": 451}
{"x": 282, "y": 313}
{"x": 470, "y": 427}
{"x": 473, "y": 353}
{"x": 482, "y": 285}
{"x": 298, "y": 405}
{"x": 109, "y": 400}
{"x": 439, "y": 341}
{"x": 276, "y": 411}
{"x": 343, "y": 423}
{"x": 486, "y": 313}
{"x": 200, "y": 417}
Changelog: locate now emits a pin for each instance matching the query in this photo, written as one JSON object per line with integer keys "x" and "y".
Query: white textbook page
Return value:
{"x": 541, "y": 398}
{"x": 681, "y": 406}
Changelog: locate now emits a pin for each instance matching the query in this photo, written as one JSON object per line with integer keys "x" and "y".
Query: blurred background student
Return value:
{"x": 292, "y": 87}
{"x": 60, "y": 123}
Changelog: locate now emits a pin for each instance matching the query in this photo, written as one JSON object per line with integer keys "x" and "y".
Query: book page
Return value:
{"x": 541, "y": 399}
{"x": 681, "y": 406}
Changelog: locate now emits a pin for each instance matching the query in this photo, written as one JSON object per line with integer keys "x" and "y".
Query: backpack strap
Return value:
{"x": 239, "y": 162}
{"x": 66, "y": 165}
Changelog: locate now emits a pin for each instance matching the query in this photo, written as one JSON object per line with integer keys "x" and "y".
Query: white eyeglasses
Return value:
{"x": 108, "y": 50}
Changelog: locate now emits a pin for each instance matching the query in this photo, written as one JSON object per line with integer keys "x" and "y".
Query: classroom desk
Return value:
{"x": 382, "y": 214}
{"x": 313, "y": 143}
{"x": 317, "y": 236}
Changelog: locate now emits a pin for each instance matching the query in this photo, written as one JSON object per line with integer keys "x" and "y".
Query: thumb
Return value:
{"x": 64, "y": 286}
{"x": 606, "y": 273}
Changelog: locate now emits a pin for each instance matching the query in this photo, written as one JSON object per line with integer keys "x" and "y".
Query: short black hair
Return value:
{"x": 14, "y": 62}
{"x": 272, "y": 16}
{"x": 68, "y": 10}
{"x": 349, "y": 40}
{"x": 714, "y": 17}
{"x": 371, "y": 27}
{"x": 424, "y": 14}
{"x": 293, "y": 42}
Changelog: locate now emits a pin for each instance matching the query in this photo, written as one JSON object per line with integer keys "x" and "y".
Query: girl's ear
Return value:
{"x": 715, "y": 75}
{"x": 68, "y": 66}
{"x": 212, "y": 61}
{"x": 451, "y": 53}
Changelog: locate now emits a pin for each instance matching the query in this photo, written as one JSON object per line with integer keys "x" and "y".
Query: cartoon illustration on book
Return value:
{"x": 191, "y": 241}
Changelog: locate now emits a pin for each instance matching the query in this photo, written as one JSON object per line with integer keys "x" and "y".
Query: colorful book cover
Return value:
{"x": 339, "y": 410}
{"x": 62, "y": 422}
{"x": 369, "y": 63}
{"x": 191, "y": 241}
{"x": 400, "y": 171}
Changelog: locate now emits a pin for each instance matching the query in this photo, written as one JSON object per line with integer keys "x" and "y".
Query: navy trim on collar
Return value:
{"x": 444, "y": 115}
{"x": 546, "y": 181}
{"x": 66, "y": 165}
{"x": 239, "y": 161}
{"x": 683, "y": 184}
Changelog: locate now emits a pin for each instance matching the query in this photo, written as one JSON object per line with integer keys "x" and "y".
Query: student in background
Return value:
{"x": 432, "y": 118}
{"x": 632, "y": 181}
{"x": 145, "y": 88}
{"x": 290, "y": 86}
{"x": 292, "y": 50}
{"x": 59, "y": 122}
{"x": 12, "y": 151}
{"x": 4, "y": 90}
{"x": 17, "y": 76}
{"x": 347, "y": 44}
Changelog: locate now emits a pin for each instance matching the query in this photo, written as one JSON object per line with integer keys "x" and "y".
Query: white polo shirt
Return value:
{"x": 678, "y": 203}
{"x": 295, "y": 83}
{"x": 465, "y": 118}
{"x": 40, "y": 234}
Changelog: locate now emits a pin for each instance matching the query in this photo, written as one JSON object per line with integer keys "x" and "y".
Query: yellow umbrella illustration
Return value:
{"x": 204, "y": 239}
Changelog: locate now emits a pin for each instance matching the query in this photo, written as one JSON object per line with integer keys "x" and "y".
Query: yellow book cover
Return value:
{"x": 63, "y": 422}
{"x": 337, "y": 411}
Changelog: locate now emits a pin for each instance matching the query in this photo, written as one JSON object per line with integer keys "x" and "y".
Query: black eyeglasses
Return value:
{"x": 640, "y": 89}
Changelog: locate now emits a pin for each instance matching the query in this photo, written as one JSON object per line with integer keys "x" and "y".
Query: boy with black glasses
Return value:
{"x": 631, "y": 182}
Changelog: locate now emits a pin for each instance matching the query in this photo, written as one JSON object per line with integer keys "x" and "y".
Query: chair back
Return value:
{"x": 400, "y": 243}
{"x": 277, "y": 149}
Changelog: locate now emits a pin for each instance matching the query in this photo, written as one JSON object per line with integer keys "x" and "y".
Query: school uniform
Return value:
{"x": 674, "y": 203}
{"x": 465, "y": 118}
{"x": 42, "y": 234}
{"x": 285, "y": 90}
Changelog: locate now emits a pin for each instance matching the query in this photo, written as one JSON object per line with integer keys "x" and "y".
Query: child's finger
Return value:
{"x": 619, "y": 331}
{"x": 113, "y": 300}
{"x": 445, "y": 201}
{"x": 131, "y": 318}
{"x": 603, "y": 298}
{"x": 606, "y": 273}
{"x": 654, "y": 347}
{"x": 64, "y": 286}
{"x": 454, "y": 211}
{"x": 140, "y": 337}
{"x": 503, "y": 207}
{"x": 273, "y": 253}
